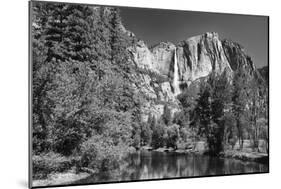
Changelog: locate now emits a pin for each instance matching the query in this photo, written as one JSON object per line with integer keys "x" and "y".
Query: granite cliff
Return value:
{"x": 166, "y": 69}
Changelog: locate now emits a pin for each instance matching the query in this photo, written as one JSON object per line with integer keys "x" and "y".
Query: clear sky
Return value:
{"x": 156, "y": 25}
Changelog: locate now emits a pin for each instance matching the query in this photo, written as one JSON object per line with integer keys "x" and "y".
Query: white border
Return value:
{"x": 14, "y": 92}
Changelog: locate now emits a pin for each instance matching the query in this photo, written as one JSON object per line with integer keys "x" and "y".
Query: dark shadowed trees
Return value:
{"x": 239, "y": 101}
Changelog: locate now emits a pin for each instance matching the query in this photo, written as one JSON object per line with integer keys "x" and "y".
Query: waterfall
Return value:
{"x": 176, "y": 75}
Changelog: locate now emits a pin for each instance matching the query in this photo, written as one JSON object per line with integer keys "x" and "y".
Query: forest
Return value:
{"x": 87, "y": 114}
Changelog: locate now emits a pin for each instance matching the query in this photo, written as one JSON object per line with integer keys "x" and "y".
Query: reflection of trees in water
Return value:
{"x": 155, "y": 165}
{"x": 237, "y": 166}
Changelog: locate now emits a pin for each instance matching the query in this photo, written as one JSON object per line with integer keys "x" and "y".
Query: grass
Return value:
{"x": 48, "y": 163}
{"x": 64, "y": 178}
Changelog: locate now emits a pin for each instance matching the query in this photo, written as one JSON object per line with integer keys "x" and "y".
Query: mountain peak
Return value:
{"x": 236, "y": 55}
{"x": 211, "y": 35}
{"x": 207, "y": 35}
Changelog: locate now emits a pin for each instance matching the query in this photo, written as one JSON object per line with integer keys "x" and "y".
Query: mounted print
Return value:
{"x": 120, "y": 94}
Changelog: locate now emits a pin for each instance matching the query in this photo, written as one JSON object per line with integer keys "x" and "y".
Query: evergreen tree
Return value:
{"x": 203, "y": 110}
{"x": 221, "y": 97}
{"x": 239, "y": 101}
{"x": 167, "y": 115}
{"x": 158, "y": 138}
{"x": 146, "y": 134}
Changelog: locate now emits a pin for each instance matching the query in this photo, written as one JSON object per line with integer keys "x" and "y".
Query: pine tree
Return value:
{"x": 167, "y": 115}
{"x": 82, "y": 90}
{"x": 42, "y": 72}
{"x": 239, "y": 101}
{"x": 221, "y": 97}
{"x": 203, "y": 110}
{"x": 63, "y": 31}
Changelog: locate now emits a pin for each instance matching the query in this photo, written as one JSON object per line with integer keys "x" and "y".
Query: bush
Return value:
{"x": 105, "y": 149}
{"x": 44, "y": 164}
{"x": 136, "y": 140}
{"x": 172, "y": 136}
{"x": 101, "y": 154}
{"x": 184, "y": 134}
{"x": 181, "y": 119}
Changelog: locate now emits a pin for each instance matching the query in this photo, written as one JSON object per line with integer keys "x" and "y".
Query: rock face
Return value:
{"x": 264, "y": 73}
{"x": 237, "y": 56}
{"x": 200, "y": 55}
{"x": 196, "y": 57}
{"x": 166, "y": 68}
{"x": 156, "y": 94}
{"x": 157, "y": 59}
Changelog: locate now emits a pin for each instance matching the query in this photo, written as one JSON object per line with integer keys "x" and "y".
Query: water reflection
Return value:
{"x": 158, "y": 165}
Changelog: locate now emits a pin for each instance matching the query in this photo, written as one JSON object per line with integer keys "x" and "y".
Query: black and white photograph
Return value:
{"x": 121, "y": 94}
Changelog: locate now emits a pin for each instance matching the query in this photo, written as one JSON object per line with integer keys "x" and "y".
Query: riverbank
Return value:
{"x": 64, "y": 178}
{"x": 244, "y": 155}
{"x": 72, "y": 175}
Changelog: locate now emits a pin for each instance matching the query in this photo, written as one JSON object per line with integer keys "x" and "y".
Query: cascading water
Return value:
{"x": 176, "y": 75}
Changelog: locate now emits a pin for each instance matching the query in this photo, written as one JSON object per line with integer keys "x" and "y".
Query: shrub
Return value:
{"x": 136, "y": 140}
{"x": 44, "y": 164}
{"x": 67, "y": 137}
{"x": 105, "y": 149}
{"x": 101, "y": 154}
{"x": 172, "y": 136}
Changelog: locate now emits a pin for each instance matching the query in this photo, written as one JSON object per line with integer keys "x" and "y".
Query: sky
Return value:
{"x": 156, "y": 25}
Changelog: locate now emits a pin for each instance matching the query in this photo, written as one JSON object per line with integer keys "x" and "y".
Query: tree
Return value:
{"x": 158, "y": 132}
{"x": 172, "y": 136}
{"x": 230, "y": 129}
{"x": 213, "y": 102}
{"x": 206, "y": 127}
{"x": 78, "y": 85}
{"x": 70, "y": 85}
{"x": 203, "y": 110}
{"x": 146, "y": 134}
{"x": 221, "y": 97}
{"x": 167, "y": 115}
{"x": 152, "y": 121}
{"x": 252, "y": 113}
{"x": 239, "y": 101}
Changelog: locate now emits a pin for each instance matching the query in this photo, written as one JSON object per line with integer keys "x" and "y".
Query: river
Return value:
{"x": 145, "y": 165}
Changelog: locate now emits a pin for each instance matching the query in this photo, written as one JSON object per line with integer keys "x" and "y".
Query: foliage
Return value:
{"x": 158, "y": 139}
{"x": 230, "y": 130}
{"x": 83, "y": 99}
{"x": 167, "y": 115}
{"x": 151, "y": 121}
{"x": 136, "y": 136}
{"x": 203, "y": 109}
{"x": 213, "y": 102}
{"x": 101, "y": 153}
{"x": 146, "y": 134}
{"x": 44, "y": 164}
{"x": 221, "y": 98}
{"x": 239, "y": 98}
{"x": 172, "y": 136}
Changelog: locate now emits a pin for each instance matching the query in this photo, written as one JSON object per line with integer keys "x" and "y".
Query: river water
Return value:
{"x": 158, "y": 165}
